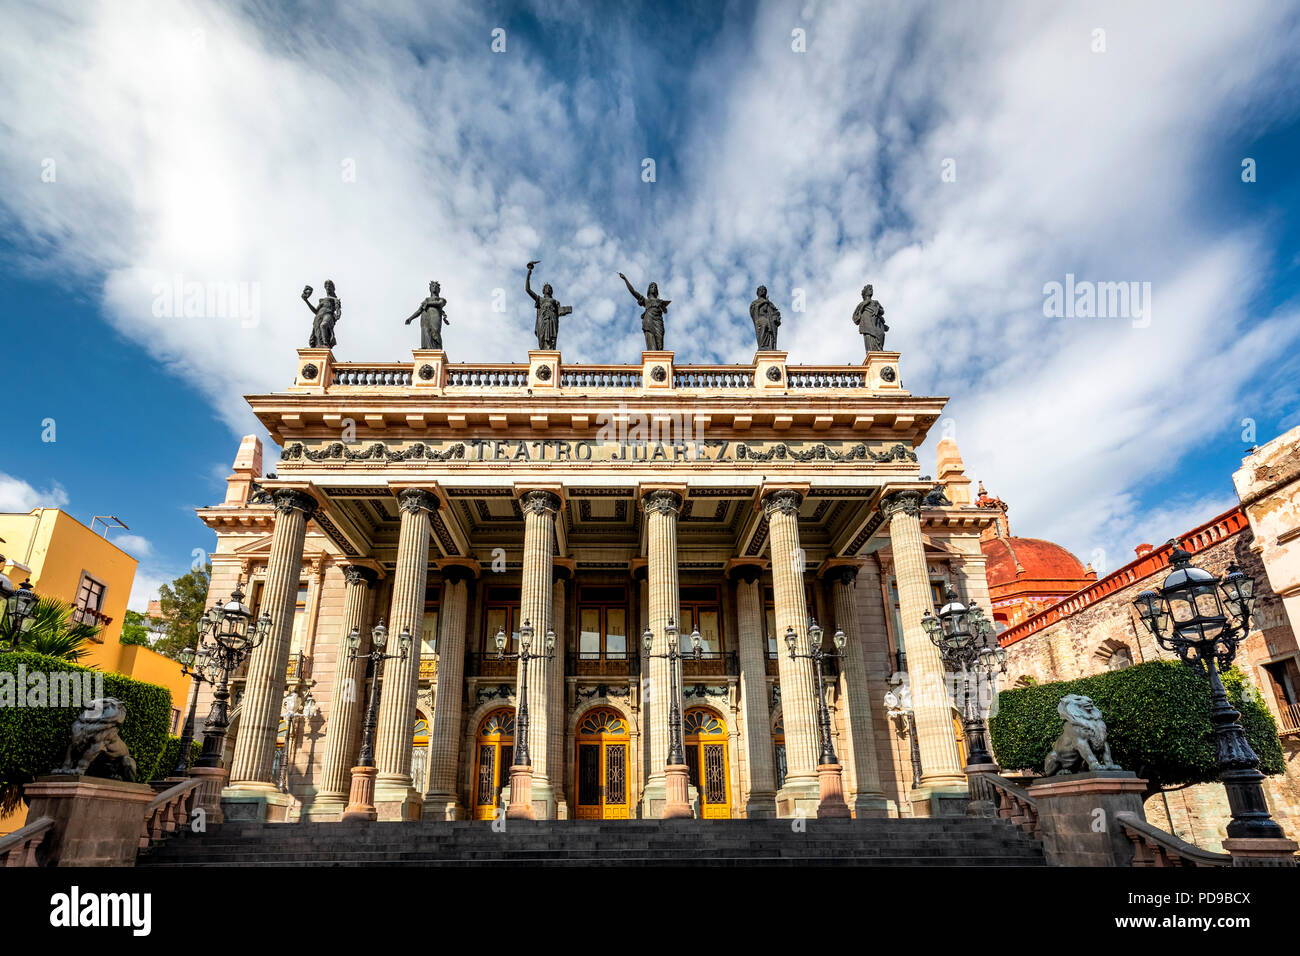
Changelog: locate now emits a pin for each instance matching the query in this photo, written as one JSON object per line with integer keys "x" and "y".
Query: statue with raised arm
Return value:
{"x": 432, "y": 314}
{"x": 869, "y": 317}
{"x": 766, "y": 318}
{"x": 652, "y": 319}
{"x": 327, "y": 311}
{"x": 549, "y": 311}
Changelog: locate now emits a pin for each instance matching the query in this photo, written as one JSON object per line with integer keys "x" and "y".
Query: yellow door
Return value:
{"x": 494, "y": 750}
{"x": 706, "y": 755}
{"x": 602, "y": 767}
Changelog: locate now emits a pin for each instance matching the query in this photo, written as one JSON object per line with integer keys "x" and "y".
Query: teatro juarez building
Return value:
{"x": 597, "y": 502}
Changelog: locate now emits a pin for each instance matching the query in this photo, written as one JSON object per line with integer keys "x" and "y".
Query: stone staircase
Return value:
{"x": 948, "y": 841}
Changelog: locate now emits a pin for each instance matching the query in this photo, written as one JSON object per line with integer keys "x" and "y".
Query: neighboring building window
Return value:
{"x": 602, "y": 623}
{"x": 89, "y": 606}
{"x": 1121, "y": 658}
{"x": 299, "y": 619}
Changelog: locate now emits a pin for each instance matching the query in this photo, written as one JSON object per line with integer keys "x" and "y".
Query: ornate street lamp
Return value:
{"x": 299, "y": 707}
{"x": 227, "y": 636}
{"x": 203, "y": 669}
{"x": 831, "y": 786}
{"x": 17, "y": 605}
{"x": 677, "y": 803}
{"x": 1203, "y": 620}
{"x": 521, "y": 769}
{"x": 962, "y": 636}
{"x": 361, "y": 797}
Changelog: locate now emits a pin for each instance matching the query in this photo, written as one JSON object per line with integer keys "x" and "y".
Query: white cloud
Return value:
{"x": 818, "y": 170}
{"x": 18, "y": 496}
{"x": 135, "y": 545}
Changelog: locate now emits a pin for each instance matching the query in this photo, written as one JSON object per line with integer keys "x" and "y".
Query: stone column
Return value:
{"x": 759, "y": 757}
{"x": 941, "y": 773}
{"x": 255, "y": 795}
{"x": 663, "y": 602}
{"x": 555, "y": 715}
{"x": 798, "y": 684}
{"x": 395, "y": 798}
{"x": 348, "y": 696}
{"x": 440, "y": 803}
{"x": 537, "y": 591}
{"x": 868, "y": 798}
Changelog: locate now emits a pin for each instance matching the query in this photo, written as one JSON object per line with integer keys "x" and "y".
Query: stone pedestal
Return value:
{"x": 521, "y": 794}
{"x": 1251, "y": 852}
{"x": 361, "y": 798}
{"x": 677, "y": 801}
{"x": 97, "y": 822}
{"x": 1076, "y": 814}
{"x": 831, "y": 785}
{"x": 983, "y": 801}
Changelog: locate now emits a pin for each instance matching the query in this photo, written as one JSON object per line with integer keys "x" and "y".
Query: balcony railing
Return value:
{"x": 487, "y": 376}
{"x": 597, "y": 665}
{"x": 487, "y": 665}
{"x": 601, "y": 376}
{"x": 1289, "y": 724}
{"x": 354, "y": 373}
{"x": 712, "y": 376}
{"x": 825, "y": 376}
{"x": 711, "y": 664}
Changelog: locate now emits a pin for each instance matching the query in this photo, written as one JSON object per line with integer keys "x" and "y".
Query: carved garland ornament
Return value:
{"x": 859, "y": 452}
{"x": 377, "y": 451}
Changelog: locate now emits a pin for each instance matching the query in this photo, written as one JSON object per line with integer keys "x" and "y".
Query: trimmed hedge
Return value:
{"x": 167, "y": 762}
{"x": 34, "y": 739}
{"x": 1157, "y": 722}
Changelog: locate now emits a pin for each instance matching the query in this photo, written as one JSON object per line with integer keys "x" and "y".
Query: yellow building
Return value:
{"x": 65, "y": 559}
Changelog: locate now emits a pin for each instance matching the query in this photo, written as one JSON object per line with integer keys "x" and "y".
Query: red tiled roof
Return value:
{"x": 1030, "y": 558}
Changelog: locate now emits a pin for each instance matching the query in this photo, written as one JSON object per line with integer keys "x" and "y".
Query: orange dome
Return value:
{"x": 1012, "y": 559}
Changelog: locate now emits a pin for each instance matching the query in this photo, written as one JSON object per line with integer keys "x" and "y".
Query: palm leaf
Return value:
{"x": 52, "y": 632}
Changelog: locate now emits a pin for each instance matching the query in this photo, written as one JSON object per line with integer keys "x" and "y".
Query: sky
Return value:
{"x": 961, "y": 158}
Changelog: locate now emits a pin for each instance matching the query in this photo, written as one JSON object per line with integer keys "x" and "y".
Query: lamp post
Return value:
{"x": 830, "y": 784}
{"x": 677, "y": 802}
{"x": 521, "y": 769}
{"x": 199, "y": 666}
{"x": 1186, "y": 615}
{"x": 361, "y": 796}
{"x": 227, "y": 635}
{"x": 17, "y": 605}
{"x": 962, "y": 635}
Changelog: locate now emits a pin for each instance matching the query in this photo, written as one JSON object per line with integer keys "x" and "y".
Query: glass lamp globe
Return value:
{"x": 379, "y": 636}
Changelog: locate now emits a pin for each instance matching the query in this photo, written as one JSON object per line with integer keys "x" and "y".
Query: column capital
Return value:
{"x": 907, "y": 501}
{"x": 415, "y": 500}
{"x": 844, "y": 574}
{"x": 294, "y": 499}
{"x": 662, "y": 501}
{"x": 540, "y": 502}
{"x": 356, "y": 574}
{"x": 786, "y": 501}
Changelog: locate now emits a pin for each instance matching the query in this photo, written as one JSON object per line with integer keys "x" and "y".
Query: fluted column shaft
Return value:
{"x": 349, "y": 687}
{"x": 753, "y": 694}
{"x": 940, "y": 759}
{"x": 536, "y": 594}
{"x": 798, "y": 684}
{"x": 661, "y": 509}
{"x": 400, "y": 680}
{"x": 555, "y": 695}
{"x": 444, "y": 734}
{"x": 861, "y": 749}
{"x": 264, "y": 684}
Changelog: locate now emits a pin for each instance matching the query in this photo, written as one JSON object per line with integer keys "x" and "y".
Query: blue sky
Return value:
{"x": 382, "y": 145}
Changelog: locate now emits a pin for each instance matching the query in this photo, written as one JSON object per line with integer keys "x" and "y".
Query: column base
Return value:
{"x": 209, "y": 798}
{"x": 655, "y": 796}
{"x": 761, "y": 805}
{"x": 397, "y": 802}
{"x": 872, "y": 806}
{"x": 801, "y": 796}
{"x": 521, "y": 794}
{"x": 255, "y": 804}
{"x": 441, "y": 806}
{"x": 326, "y": 807}
{"x": 677, "y": 800}
{"x": 1248, "y": 851}
{"x": 830, "y": 785}
{"x": 940, "y": 801}
{"x": 543, "y": 799}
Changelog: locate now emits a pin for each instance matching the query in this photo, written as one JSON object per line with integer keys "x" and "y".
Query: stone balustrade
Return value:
{"x": 169, "y": 811}
{"x": 19, "y": 848}
{"x": 1014, "y": 803}
{"x": 1154, "y": 847}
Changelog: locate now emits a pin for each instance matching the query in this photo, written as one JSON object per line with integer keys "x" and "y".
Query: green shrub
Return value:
{"x": 167, "y": 762}
{"x": 1157, "y": 722}
{"x": 34, "y": 739}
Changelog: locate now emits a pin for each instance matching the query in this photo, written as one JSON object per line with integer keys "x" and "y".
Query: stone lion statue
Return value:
{"x": 1082, "y": 745}
{"x": 97, "y": 749}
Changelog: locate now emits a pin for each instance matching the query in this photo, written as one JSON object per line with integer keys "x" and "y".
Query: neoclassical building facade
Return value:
{"x": 599, "y": 502}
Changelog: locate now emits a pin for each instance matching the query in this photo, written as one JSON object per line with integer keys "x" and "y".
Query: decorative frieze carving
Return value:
{"x": 376, "y": 451}
{"x": 503, "y": 691}
{"x": 704, "y": 691}
{"x": 606, "y": 691}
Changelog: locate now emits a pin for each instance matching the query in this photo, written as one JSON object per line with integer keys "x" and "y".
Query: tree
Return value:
{"x": 53, "y": 632}
{"x": 182, "y": 605}
{"x": 136, "y": 628}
